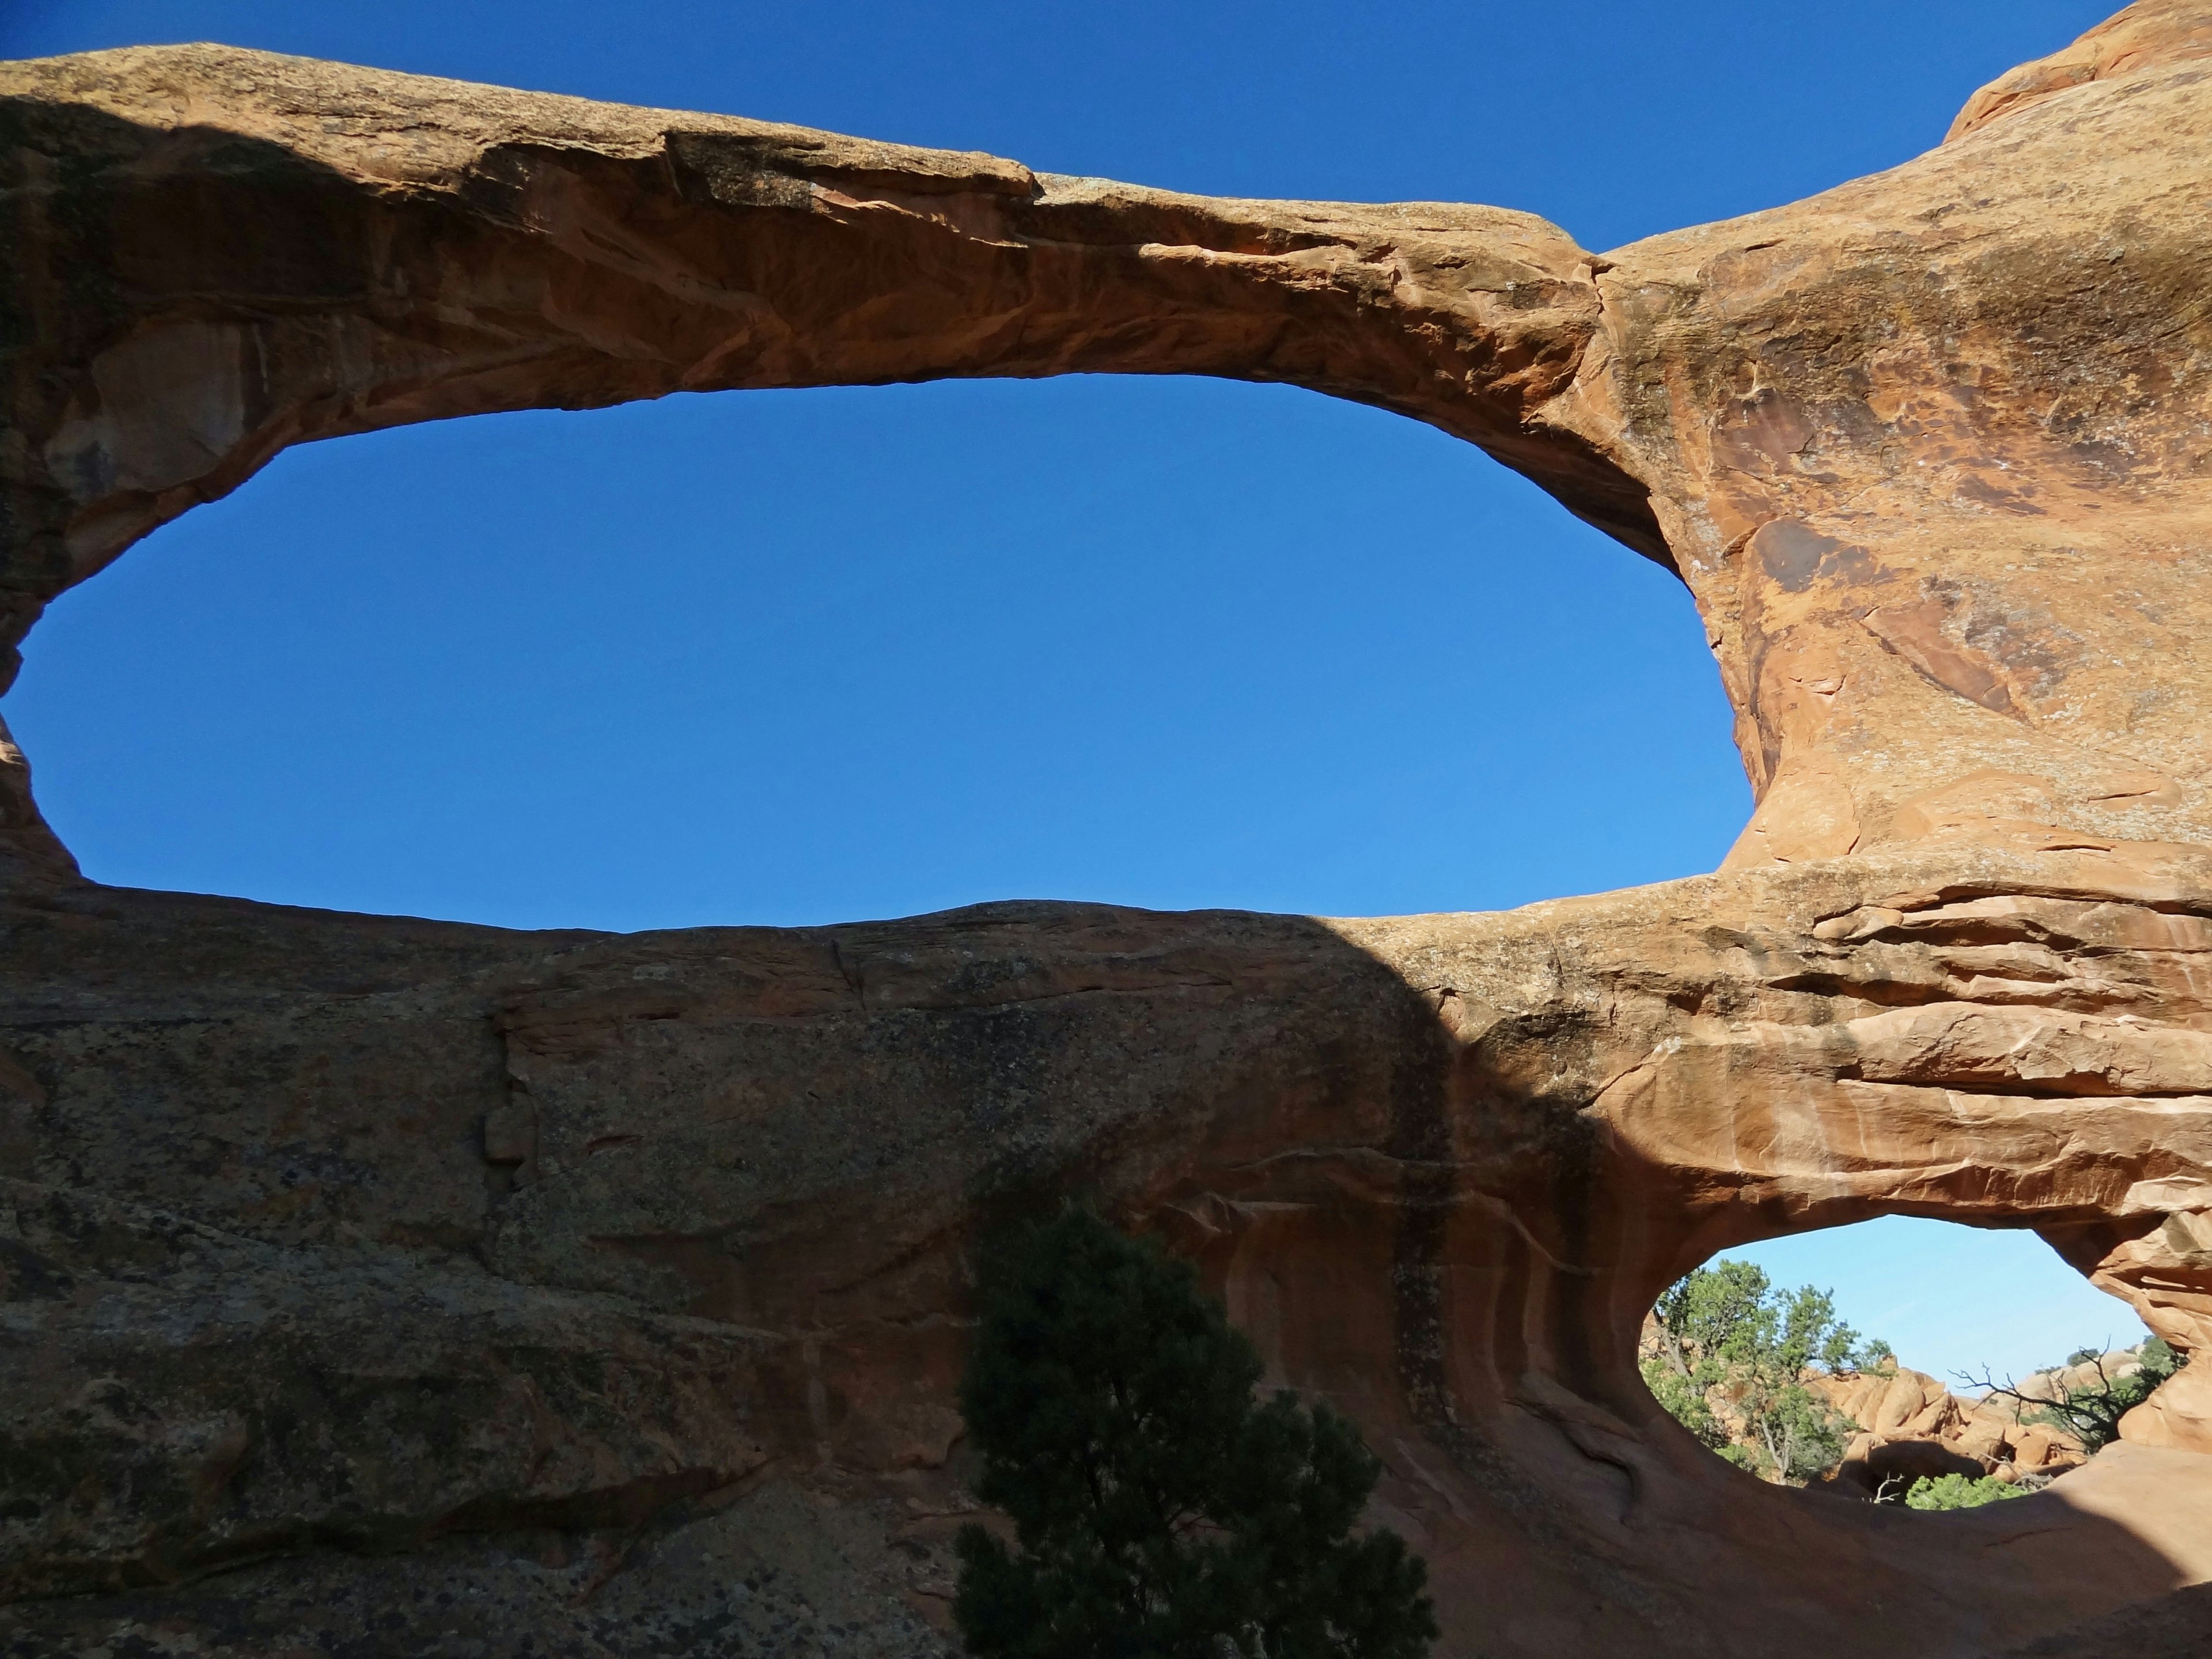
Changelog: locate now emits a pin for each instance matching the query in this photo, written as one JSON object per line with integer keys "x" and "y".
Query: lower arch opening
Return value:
{"x": 1921, "y": 1364}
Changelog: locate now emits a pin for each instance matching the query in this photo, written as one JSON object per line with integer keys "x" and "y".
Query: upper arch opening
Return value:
{"x": 806, "y": 656}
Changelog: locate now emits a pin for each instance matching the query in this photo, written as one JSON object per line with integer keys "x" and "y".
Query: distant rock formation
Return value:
{"x": 384, "y": 1287}
{"x": 1910, "y": 1425}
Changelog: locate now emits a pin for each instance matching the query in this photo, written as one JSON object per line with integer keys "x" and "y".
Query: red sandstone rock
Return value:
{"x": 467, "y": 1287}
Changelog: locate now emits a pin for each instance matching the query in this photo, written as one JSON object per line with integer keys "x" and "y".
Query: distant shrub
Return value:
{"x": 1957, "y": 1491}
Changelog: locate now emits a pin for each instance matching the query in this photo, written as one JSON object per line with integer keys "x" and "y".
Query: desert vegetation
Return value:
{"x": 1158, "y": 1507}
{"x": 1732, "y": 1358}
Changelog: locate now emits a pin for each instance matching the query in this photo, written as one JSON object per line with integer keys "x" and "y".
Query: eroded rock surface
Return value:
{"x": 385, "y": 1287}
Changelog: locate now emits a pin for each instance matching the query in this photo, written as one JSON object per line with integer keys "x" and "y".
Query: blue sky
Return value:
{"x": 801, "y": 657}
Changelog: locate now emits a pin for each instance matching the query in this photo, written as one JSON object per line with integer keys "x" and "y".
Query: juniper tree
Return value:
{"x": 1726, "y": 1332}
{"x": 1160, "y": 1510}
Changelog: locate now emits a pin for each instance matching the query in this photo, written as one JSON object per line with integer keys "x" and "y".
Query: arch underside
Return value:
{"x": 585, "y": 1277}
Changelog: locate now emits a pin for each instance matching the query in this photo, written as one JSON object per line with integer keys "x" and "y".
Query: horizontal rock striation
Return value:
{"x": 374, "y": 1285}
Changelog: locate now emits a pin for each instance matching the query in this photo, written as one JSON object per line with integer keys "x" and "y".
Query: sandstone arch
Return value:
{"x": 581, "y": 1277}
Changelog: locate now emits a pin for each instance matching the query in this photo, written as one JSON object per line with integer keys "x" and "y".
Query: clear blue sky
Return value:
{"x": 800, "y": 657}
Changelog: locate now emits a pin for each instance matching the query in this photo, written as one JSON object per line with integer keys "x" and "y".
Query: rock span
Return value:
{"x": 376, "y": 1283}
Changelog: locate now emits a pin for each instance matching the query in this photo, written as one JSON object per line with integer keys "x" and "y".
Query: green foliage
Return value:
{"x": 1957, "y": 1491}
{"x": 1161, "y": 1512}
{"x": 1727, "y": 1336}
{"x": 2090, "y": 1409}
{"x": 1680, "y": 1393}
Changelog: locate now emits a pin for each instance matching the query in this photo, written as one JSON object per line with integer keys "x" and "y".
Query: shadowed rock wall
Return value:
{"x": 376, "y": 1286}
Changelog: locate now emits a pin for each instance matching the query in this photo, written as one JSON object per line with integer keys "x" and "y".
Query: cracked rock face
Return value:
{"x": 382, "y": 1287}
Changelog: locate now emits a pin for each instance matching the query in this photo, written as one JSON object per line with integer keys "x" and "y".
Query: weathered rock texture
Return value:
{"x": 382, "y": 1287}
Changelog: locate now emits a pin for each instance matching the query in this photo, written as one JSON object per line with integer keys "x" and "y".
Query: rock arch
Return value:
{"x": 575, "y": 1272}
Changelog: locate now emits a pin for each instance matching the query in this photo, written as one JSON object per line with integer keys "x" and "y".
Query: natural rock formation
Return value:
{"x": 384, "y": 1287}
{"x": 1910, "y": 1425}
